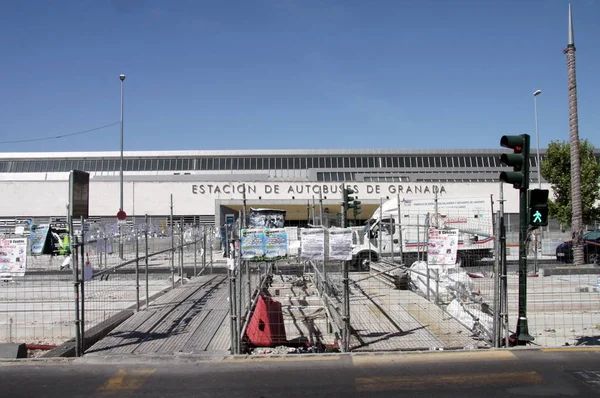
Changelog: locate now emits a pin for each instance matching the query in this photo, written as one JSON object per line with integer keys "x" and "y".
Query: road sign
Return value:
{"x": 121, "y": 215}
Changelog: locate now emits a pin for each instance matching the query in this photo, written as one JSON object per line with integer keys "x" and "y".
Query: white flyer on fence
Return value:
{"x": 442, "y": 247}
{"x": 340, "y": 244}
{"x": 312, "y": 243}
{"x": 13, "y": 256}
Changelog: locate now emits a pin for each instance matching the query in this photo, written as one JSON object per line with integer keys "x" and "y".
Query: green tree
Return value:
{"x": 556, "y": 169}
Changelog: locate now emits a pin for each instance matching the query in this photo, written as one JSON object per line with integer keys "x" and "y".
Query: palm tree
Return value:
{"x": 577, "y": 213}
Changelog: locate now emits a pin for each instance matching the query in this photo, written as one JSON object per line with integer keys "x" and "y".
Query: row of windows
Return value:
{"x": 385, "y": 179}
{"x": 257, "y": 163}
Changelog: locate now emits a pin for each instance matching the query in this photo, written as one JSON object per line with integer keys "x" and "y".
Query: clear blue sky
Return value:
{"x": 283, "y": 74}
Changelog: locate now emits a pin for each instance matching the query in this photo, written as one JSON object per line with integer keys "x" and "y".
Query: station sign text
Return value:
{"x": 314, "y": 189}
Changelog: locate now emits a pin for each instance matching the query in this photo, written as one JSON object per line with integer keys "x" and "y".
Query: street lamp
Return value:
{"x": 537, "y": 137}
{"x": 122, "y": 78}
{"x": 539, "y": 168}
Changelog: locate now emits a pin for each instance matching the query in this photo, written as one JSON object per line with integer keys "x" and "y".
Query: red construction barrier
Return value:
{"x": 266, "y": 328}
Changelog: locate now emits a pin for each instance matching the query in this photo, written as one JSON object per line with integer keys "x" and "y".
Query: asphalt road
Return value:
{"x": 526, "y": 373}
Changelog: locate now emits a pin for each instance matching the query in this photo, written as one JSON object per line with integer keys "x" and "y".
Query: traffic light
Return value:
{"x": 356, "y": 208}
{"x": 538, "y": 207}
{"x": 519, "y": 160}
{"x": 348, "y": 200}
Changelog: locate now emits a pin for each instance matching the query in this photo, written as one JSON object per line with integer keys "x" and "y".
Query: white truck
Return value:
{"x": 387, "y": 235}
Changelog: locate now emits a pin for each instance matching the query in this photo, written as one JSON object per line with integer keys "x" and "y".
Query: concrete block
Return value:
{"x": 13, "y": 351}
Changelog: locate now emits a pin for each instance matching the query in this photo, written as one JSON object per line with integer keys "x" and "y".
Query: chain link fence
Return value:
{"x": 113, "y": 271}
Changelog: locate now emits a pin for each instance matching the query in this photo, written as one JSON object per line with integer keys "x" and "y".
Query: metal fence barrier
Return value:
{"x": 64, "y": 298}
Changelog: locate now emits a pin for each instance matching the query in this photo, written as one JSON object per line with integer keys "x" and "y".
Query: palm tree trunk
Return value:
{"x": 576, "y": 204}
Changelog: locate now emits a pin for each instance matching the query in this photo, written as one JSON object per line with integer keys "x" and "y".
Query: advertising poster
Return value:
{"x": 253, "y": 244}
{"x": 276, "y": 244}
{"x": 312, "y": 243}
{"x": 38, "y": 238}
{"x": 266, "y": 218}
{"x": 442, "y": 247}
{"x": 13, "y": 256}
{"x": 340, "y": 244}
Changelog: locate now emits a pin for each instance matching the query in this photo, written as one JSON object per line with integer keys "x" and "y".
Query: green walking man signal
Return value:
{"x": 537, "y": 213}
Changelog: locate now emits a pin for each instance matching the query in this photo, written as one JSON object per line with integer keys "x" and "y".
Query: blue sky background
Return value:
{"x": 282, "y": 74}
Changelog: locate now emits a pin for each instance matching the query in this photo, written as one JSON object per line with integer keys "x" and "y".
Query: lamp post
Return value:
{"x": 537, "y": 137}
{"x": 539, "y": 168}
{"x": 122, "y": 78}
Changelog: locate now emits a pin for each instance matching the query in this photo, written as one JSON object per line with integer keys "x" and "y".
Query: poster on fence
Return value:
{"x": 442, "y": 247}
{"x": 253, "y": 244}
{"x": 312, "y": 243}
{"x": 38, "y": 237}
{"x": 293, "y": 241}
{"x": 340, "y": 244}
{"x": 13, "y": 256}
{"x": 276, "y": 244}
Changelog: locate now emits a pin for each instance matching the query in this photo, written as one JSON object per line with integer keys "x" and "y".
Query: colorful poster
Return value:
{"x": 38, "y": 237}
{"x": 253, "y": 244}
{"x": 276, "y": 244}
{"x": 312, "y": 244}
{"x": 340, "y": 244}
{"x": 442, "y": 247}
{"x": 13, "y": 256}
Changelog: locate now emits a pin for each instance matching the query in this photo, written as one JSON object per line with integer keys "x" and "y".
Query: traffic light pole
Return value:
{"x": 522, "y": 335}
{"x": 519, "y": 177}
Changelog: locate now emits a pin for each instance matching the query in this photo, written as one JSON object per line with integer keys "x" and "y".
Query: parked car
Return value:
{"x": 591, "y": 249}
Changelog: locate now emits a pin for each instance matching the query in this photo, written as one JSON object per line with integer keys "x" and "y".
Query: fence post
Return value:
{"x": 82, "y": 280}
{"x": 172, "y": 247}
{"x": 211, "y": 255}
{"x": 437, "y": 286}
{"x": 181, "y": 251}
{"x": 146, "y": 259}
{"x": 195, "y": 252}
{"x": 232, "y": 309}
{"x": 137, "y": 268}
{"x": 74, "y": 247}
{"x": 346, "y": 306}
{"x": 428, "y": 280}
{"x": 503, "y": 270}
{"x": 105, "y": 248}
{"x": 203, "y": 248}
{"x": 240, "y": 294}
{"x": 249, "y": 288}
{"x": 496, "y": 329}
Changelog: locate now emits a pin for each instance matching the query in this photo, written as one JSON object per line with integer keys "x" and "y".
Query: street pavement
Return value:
{"x": 495, "y": 373}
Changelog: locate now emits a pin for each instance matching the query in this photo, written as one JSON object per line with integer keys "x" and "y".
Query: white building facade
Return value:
{"x": 207, "y": 185}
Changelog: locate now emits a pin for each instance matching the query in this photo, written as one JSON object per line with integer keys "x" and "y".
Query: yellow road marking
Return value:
{"x": 126, "y": 381}
{"x": 374, "y": 360}
{"x": 370, "y": 384}
{"x": 567, "y": 349}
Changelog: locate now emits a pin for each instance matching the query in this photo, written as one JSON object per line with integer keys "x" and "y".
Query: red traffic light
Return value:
{"x": 515, "y": 142}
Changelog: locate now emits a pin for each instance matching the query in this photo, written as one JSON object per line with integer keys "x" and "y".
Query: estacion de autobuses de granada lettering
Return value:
{"x": 316, "y": 189}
